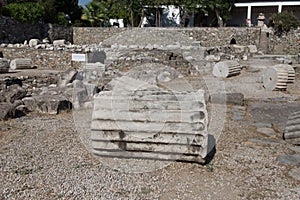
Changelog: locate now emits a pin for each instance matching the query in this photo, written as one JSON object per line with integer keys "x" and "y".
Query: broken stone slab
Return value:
{"x": 8, "y": 110}
{"x": 252, "y": 49}
{"x": 288, "y": 159}
{"x": 4, "y": 66}
{"x": 266, "y": 131}
{"x": 47, "y": 104}
{"x": 228, "y": 98}
{"x": 21, "y": 63}
{"x": 96, "y": 56}
{"x": 62, "y": 42}
{"x": 292, "y": 129}
{"x": 91, "y": 71}
{"x": 295, "y": 173}
{"x": 226, "y": 69}
{"x": 13, "y": 93}
{"x": 213, "y": 58}
{"x": 239, "y": 48}
{"x": 67, "y": 77}
{"x": 79, "y": 94}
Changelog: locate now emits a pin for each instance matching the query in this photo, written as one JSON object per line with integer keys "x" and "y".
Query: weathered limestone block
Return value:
{"x": 144, "y": 121}
{"x": 59, "y": 42}
{"x": 252, "y": 49}
{"x": 33, "y": 42}
{"x": 13, "y": 93}
{"x": 47, "y": 104}
{"x": 275, "y": 78}
{"x": 67, "y": 77}
{"x": 292, "y": 130}
{"x": 228, "y": 98}
{"x": 9, "y": 110}
{"x": 21, "y": 63}
{"x": 92, "y": 71}
{"x": 239, "y": 48}
{"x": 227, "y": 68}
{"x": 4, "y": 65}
{"x": 97, "y": 56}
{"x": 290, "y": 70}
{"x": 79, "y": 94}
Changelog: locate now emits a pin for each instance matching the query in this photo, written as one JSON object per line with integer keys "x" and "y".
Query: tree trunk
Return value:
{"x": 156, "y": 17}
{"x": 159, "y": 18}
{"x": 181, "y": 14}
{"x": 142, "y": 18}
{"x": 131, "y": 18}
{"x": 220, "y": 20}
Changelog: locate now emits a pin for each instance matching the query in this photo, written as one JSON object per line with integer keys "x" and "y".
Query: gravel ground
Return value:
{"x": 42, "y": 157}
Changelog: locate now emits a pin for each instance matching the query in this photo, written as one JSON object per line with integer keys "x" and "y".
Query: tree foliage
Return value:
{"x": 30, "y": 12}
{"x": 49, "y": 11}
{"x": 283, "y": 22}
{"x": 95, "y": 13}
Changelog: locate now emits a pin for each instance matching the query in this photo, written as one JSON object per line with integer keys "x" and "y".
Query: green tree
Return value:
{"x": 95, "y": 13}
{"x": 221, "y": 8}
{"x": 30, "y": 12}
{"x": 54, "y": 11}
{"x": 283, "y": 22}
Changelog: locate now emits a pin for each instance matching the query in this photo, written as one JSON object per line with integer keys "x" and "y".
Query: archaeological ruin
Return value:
{"x": 129, "y": 81}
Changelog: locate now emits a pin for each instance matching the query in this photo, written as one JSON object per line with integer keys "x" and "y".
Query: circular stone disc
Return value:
{"x": 270, "y": 79}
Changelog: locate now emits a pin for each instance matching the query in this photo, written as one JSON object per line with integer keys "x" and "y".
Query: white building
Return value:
{"x": 249, "y": 10}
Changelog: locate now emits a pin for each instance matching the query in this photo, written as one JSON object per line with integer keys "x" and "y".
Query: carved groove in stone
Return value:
{"x": 292, "y": 130}
{"x": 150, "y": 123}
{"x": 21, "y": 63}
{"x": 275, "y": 78}
{"x": 227, "y": 68}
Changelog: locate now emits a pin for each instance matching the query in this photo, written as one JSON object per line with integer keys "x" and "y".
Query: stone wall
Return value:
{"x": 287, "y": 43}
{"x": 31, "y": 83}
{"x": 47, "y": 59}
{"x": 207, "y": 36}
{"x": 14, "y": 32}
{"x": 210, "y": 37}
{"x": 83, "y": 35}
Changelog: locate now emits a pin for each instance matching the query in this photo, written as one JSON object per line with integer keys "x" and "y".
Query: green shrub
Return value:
{"x": 25, "y": 12}
{"x": 283, "y": 22}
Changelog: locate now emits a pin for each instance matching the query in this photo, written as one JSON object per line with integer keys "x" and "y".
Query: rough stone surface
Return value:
{"x": 16, "y": 32}
{"x": 67, "y": 77}
{"x": 147, "y": 115}
{"x": 228, "y": 98}
{"x": 274, "y": 113}
{"x": 289, "y": 159}
{"x": 4, "y": 65}
{"x": 295, "y": 173}
{"x": 21, "y": 63}
{"x": 13, "y": 93}
{"x": 47, "y": 104}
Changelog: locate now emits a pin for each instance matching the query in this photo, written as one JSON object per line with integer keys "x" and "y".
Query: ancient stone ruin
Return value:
{"x": 130, "y": 85}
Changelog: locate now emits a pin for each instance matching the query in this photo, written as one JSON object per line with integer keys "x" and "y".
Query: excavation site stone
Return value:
{"x": 140, "y": 120}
